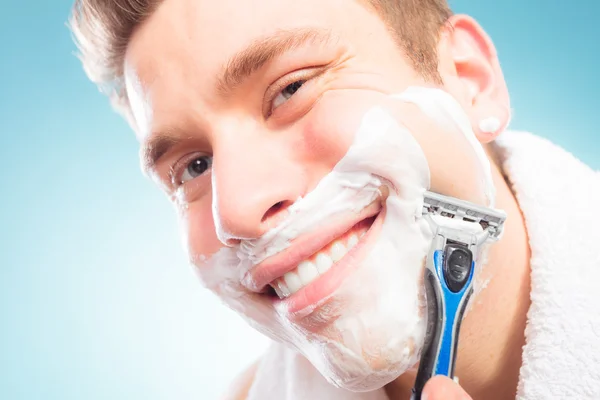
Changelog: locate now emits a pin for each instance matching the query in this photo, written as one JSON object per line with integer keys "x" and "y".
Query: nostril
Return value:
{"x": 232, "y": 242}
{"x": 274, "y": 210}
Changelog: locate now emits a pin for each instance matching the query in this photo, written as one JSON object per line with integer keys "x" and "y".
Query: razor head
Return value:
{"x": 490, "y": 220}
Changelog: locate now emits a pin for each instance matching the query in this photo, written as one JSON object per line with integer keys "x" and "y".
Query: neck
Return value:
{"x": 493, "y": 331}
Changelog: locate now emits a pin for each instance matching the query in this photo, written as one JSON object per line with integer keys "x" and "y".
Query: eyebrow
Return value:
{"x": 157, "y": 146}
{"x": 263, "y": 50}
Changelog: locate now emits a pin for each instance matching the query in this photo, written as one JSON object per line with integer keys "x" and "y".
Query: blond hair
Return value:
{"x": 102, "y": 30}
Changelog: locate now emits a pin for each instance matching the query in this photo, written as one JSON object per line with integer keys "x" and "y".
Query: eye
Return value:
{"x": 193, "y": 169}
{"x": 286, "y": 93}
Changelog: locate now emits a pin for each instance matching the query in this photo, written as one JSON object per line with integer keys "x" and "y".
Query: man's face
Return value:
{"x": 243, "y": 107}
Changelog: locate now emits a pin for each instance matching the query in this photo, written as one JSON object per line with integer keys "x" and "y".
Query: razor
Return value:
{"x": 448, "y": 280}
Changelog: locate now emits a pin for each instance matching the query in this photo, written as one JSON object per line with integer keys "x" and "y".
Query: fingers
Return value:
{"x": 443, "y": 388}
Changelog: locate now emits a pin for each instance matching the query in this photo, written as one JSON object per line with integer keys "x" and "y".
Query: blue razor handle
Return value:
{"x": 448, "y": 285}
{"x": 459, "y": 229}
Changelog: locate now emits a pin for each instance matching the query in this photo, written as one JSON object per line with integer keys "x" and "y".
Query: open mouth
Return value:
{"x": 322, "y": 261}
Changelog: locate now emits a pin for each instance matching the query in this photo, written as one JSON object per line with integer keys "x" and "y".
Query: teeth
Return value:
{"x": 324, "y": 262}
{"x": 281, "y": 289}
{"x": 307, "y": 271}
{"x": 293, "y": 282}
{"x": 352, "y": 241}
{"x": 338, "y": 251}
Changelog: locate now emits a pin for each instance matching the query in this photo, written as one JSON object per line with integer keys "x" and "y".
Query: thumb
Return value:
{"x": 443, "y": 388}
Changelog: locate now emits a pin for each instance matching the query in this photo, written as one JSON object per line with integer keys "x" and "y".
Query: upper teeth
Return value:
{"x": 308, "y": 270}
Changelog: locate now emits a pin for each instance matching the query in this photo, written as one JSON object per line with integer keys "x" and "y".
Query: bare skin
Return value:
{"x": 173, "y": 66}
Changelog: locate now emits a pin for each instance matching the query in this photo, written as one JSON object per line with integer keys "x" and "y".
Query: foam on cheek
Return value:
{"x": 372, "y": 327}
{"x": 446, "y": 111}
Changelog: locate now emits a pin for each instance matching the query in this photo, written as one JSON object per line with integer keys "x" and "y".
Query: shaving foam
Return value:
{"x": 442, "y": 108}
{"x": 371, "y": 328}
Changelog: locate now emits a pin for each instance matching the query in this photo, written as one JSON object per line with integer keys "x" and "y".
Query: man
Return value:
{"x": 242, "y": 108}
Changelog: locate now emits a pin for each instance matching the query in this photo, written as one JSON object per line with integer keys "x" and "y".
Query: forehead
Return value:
{"x": 210, "y": 29}
{"x": 184, "y": 46}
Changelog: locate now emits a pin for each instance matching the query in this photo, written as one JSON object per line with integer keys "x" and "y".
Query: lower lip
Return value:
{"x": 309, "y": 296}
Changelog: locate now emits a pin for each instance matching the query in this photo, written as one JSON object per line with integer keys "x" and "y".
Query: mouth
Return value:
{"x": 314, "y": 266}
{"x": 322, "y": 261}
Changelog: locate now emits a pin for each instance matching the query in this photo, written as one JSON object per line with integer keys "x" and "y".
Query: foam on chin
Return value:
{"x": 372, "y": 327}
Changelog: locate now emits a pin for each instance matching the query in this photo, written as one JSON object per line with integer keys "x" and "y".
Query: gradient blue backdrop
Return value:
{"x": 96, "y": 300}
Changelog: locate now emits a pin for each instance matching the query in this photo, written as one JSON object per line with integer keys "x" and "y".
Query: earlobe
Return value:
{"x": 490, "y": 125}
{"x": 479, "y": 76}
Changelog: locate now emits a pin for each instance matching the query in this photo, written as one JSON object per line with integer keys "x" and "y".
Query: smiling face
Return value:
{"x": 243, "y": 109}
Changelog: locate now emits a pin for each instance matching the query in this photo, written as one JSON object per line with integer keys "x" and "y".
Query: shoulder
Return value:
{"x": 240, "y": 387}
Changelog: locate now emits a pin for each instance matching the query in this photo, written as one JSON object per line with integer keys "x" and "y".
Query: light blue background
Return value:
{"x": 96, "y": 301}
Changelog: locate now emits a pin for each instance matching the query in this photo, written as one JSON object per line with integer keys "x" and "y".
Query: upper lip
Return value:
{"x": 302, "y": 248}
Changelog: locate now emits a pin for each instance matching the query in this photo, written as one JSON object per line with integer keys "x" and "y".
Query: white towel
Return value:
{"x": 560, "y": 199}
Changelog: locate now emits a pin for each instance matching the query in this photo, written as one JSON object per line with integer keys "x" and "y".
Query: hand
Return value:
{"x": 443, "y": 388}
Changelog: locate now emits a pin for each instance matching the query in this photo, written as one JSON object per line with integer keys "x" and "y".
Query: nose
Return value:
{"x": 254, "y": 182}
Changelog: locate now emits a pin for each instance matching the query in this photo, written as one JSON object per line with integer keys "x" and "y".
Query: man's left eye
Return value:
{"x": 286, "y": 93}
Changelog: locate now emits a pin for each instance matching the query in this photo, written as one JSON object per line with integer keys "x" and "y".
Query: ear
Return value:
{"x": 470, "y": 70}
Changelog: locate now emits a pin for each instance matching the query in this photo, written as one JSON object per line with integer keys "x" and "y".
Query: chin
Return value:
{"x": 370, "y": 365}
{"x": 369, "y": 340}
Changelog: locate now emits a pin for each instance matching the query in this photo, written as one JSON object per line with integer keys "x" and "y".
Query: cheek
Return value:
{"x": 455, "y": 169}
{"x": 198, "y": 228}
{"x": 330, "y": 127}
{"x": 333, "y": 122}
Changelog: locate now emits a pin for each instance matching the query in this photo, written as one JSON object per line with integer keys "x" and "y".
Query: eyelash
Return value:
{"x": 304, "y": 76}
{"x": 179, "y": 168}
{"x": 281, "y": 92}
